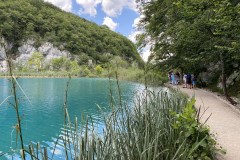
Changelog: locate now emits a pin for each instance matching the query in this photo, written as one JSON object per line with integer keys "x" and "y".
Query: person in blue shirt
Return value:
{"x": 172, "y": 77}
{"x": 194, "y": 81}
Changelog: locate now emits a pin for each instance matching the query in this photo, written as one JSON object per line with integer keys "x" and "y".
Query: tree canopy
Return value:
{"x": 192, "y": 35}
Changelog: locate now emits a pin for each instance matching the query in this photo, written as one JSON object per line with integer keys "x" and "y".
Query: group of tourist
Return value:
{"x": 174, "y": 78}
{"x": 189, "y": 81}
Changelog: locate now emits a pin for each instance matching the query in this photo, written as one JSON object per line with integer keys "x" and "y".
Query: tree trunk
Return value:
{"x": 224, "y": 85}
{"x": 181, "y": 75}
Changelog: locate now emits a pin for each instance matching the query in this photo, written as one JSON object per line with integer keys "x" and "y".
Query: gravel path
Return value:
{"x": 224, "y": 121}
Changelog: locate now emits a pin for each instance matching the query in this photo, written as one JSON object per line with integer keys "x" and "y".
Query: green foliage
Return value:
{"x": 86, "y": 72}
{"x": 155, "y": 79}
{"x": 74, "y": 65}
{"x": 36, "y": 61}
{"x": 61, "y": 63}
{"x": 98, "y": 69}
{"x": 67, "y": 64}
{"x": 201, "y": 142}
{"x": 75, "y": 68}
{"x": 83, "y": 59}
{"x": 190, "y": 35}
{"x": 57, "y": 63}
{"x": 19, "y": 65}
{"x": 42, "y": 21}
{"x": 196, "y": 32}
{"x": 120, "y": 62}
{"x": 147, "y": 131}
{"x": 24, "y": 69}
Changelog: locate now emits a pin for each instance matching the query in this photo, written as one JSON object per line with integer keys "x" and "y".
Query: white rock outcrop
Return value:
{"x": 27, "y": 49}
{"x": 3, "y": 66}
{"x": 2, "y": 54}
{"x": 231, "y": 79}
{"x": 51, "y": 52}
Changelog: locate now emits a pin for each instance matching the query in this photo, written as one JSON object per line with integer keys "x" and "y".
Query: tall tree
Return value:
{"x": 192, "y": 33}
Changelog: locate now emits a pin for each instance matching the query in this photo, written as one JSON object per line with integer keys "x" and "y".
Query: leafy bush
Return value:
{"x": 98, "y": 69}
{"x": 198, "y": 139}
{"x": 24, "y": 69}
{"x": 36, "y": 61}
{"x": 75, "y": 68}
{"x": 57, "y": 63}
{"x": 61, "y": 64}
{"x": 85, "y": 72}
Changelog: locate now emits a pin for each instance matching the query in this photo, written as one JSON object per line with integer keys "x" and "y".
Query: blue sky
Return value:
{"x": 119, "y": 15}
{"x": 124, "y": 21}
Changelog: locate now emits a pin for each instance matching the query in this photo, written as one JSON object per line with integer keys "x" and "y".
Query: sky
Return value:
{"x": 119, "y": 15}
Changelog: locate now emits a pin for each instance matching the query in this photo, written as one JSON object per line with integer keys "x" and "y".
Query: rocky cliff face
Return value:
{"x": 208, "y": 76}
{"x": 27, "y": 49}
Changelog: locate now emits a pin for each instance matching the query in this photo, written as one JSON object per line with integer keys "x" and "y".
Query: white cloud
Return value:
{"x": 145, "y": 54}
{"x": 135, "y": 32}
{"x": 146, "y": 50}
{"x": 65, "y": 5}
{"x": 110, "y": 23}
{"x": 89, "y": 6}
{"x": 137, "y": 21}
{"x": 133, "y": 35}
{"x": 114, "y": 8}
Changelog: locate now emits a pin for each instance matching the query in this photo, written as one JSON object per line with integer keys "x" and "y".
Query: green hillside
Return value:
{"x": 23, "y": 19}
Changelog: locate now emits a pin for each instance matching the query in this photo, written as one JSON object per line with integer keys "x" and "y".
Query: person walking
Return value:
{"x": 169, "y": 77}
{"x": 177, "y": 78}
{"x": 189, "y": 80}
{"x": 172, "y": 77}
{"x": 184, "y": 80}
{"x": 194, "y": 81}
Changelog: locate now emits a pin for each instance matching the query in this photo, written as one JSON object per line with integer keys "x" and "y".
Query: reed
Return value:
{"x": 15, "y": 103}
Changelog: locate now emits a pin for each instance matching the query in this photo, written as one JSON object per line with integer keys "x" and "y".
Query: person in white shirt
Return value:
{"x": 184, "y": 80}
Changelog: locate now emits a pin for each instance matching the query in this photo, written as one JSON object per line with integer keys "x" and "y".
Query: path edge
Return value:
{"x": 221, "y": 98}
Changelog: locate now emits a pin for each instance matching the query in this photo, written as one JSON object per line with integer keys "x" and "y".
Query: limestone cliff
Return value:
{"x": 26, "y": 50}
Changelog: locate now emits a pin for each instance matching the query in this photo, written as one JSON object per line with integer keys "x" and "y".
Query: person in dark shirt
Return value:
{"x": 189, "y": 80}
{"x": 177, "y": 78}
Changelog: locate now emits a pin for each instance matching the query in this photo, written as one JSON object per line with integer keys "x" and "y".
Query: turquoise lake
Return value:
{"x": 42, "y": 108}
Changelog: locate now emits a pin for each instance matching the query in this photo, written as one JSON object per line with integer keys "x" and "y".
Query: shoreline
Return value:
{"x": 45, "y": 77}
{"x": 215, "y": 94}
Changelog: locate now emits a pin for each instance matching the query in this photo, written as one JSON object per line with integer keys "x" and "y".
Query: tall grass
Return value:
{"x": 15, "y": 103}
{"x": 156, "y": 127}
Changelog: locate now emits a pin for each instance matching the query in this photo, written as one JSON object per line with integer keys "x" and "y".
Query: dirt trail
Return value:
{"x": 225, "y": 121}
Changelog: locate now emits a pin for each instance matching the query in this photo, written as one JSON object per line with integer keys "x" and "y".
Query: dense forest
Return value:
{"x": 195, "y": 36}
{"x": 42, "y": 21}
